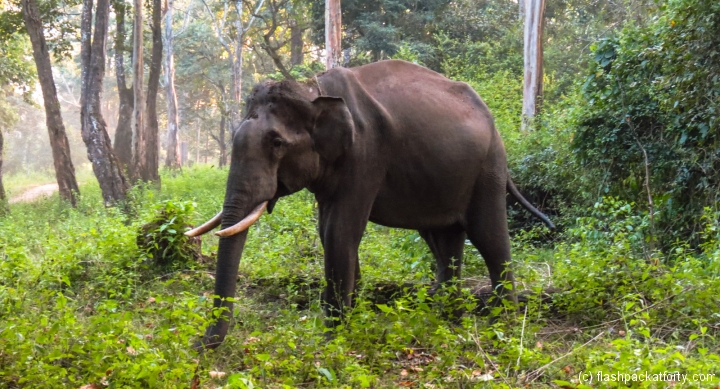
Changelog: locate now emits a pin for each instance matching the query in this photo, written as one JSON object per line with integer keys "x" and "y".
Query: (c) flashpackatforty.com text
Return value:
{"x": 674, "y": 376}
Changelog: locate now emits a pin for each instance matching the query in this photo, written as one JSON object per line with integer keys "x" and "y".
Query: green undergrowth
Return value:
{"x": 81, "y": 304}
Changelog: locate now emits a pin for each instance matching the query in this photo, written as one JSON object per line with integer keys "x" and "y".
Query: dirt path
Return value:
{"x": 34, "y": 193}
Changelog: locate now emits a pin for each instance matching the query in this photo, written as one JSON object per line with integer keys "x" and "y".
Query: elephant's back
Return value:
{"x": 420, "y": 99}
{"x": 440, "y": 137}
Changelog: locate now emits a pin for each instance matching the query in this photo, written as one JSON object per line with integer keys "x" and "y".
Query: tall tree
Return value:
{"x": 150, "y": 171}
{"x": 533, "y": 53}
{"x": 296, "y": 43}
{"x": 139, "y": 132}
{"x": 172, "y": 159}
{"x": 333, "y": 33}
{"x": 224, "y": 114}
{"x": 234, "y": 52}
{"x": 64, "y": 169}
{"x": 237, "y": 64}
{"x": 272, "y": 44}
{"x": 3, "y": 198}
{"x": 123, "y": 131}
{"x": 105, "y": 164}
{"x": 219, "y": 25}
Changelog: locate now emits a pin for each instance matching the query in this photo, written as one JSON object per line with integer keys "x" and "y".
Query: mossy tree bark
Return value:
{"x": 105, "y": 164}
{"x": 150, "y": 172}
{"x": 64, "y": 169}
{"x": 123, "y": 133}
{"x": 172, "y": 159}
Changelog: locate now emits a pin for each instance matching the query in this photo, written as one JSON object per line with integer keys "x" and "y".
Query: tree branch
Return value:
{"x": 185, "y": 22}
{"x": 218, "y": 27}
{"x": 252, "y": 19}
{"x": 269, "y": 47}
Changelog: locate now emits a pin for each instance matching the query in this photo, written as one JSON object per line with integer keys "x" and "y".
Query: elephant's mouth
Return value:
{"x": 281, "y": 191}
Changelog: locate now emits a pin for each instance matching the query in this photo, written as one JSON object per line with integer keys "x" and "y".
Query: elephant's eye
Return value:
{"x": 277, "y": 142}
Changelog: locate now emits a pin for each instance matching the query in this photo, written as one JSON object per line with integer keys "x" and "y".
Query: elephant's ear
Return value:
{"x": 333, "y": 131}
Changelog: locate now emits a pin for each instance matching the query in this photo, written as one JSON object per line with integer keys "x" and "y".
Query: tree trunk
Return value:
{"x": 139, "y": 132}
{"x": 64, "y": 170}
{"x": 333, "y": 33}
{"x": 221, "y": 142}
{"x": 3, "y": 198}
{"x": 533, "y": 83}
{"x": 197, "y": 142}
{"x": 152, "y": 129}
{"x": 85, "y": 42}
{"x": 296, "y": 43}
{"x": 123, "y": 131}
{"x": 237, "y": 66}
{"x": 172, "y": 160}
{"x": 94, "y": 132}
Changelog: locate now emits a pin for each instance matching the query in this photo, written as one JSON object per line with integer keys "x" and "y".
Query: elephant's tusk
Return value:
{"x": 245, "y": 223}
{"x": 209, "y": 225}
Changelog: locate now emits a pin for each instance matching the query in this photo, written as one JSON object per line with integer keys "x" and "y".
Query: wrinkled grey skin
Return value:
{"x": 390, "y": 142}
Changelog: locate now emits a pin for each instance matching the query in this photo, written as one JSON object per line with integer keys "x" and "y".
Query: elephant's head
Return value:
{"x": 283, "y": 145}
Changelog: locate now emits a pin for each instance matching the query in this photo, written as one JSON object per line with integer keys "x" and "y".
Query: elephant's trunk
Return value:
{"x": 229, "y": 253}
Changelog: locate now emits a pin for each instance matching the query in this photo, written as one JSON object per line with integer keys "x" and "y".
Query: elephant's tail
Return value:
{"x": 516, "y": 193}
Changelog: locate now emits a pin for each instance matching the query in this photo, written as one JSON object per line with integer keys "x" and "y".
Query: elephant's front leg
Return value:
{"x": 341, "y": 229}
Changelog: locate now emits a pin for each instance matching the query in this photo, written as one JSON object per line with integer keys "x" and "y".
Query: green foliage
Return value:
{"x": 77, "y": 308}
{"x": 302, "y": 72}
{"x": 162, "y": 239}
{"x": 656, "y": 90}
{"x": 620, "y": 270}
{"x": 408, "y": 53}
{"x": 377, "y": 29}
{"x": 59, "y": 26}
{"x": 16, "y": 66}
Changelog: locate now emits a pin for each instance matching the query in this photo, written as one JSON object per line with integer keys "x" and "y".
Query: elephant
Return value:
{"x": 389, "y": 142}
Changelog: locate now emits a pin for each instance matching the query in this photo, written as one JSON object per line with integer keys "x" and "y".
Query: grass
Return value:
{"x": 81, "y": 304}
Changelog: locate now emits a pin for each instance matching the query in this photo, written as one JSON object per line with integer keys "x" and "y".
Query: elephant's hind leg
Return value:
{"x": 487, "y": 229}
{"x": 446, "y": 245}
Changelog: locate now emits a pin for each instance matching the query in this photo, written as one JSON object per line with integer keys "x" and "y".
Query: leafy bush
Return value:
{"x": 650, "y": 104}
{"x": 162, "y": 239}
{"x": 609, "y": 263}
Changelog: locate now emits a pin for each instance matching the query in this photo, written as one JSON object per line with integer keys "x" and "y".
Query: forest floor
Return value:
{"x": 32, "y": 194}
{"x": 85, "y": 301}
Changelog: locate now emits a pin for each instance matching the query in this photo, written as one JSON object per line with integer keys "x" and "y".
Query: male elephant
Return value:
{"x": 390, "y": 142}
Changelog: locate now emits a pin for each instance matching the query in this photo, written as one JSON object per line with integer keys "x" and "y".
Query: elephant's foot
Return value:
{"x": 214, "y": 336}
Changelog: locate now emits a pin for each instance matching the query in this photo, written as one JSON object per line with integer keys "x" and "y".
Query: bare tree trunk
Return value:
{"x": 333, "y": 33}
{"x": 139, "y": 133}
{"x": 85, "y": 42}
{"x": 151, "y": 172}
{"x": 172, "y": 160}
{"x": 123, "y": 131}
{"x": 4, "y": 209}
{"x": 94, "y": 132}
{"x": 221, "y": 141}
{"x": 296, "y": 43}
{"x": 533, "y": 83}
{"x": 197, "y": 143}
{"x": 237, "y": 65}
{"x": 64, "y": 169}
